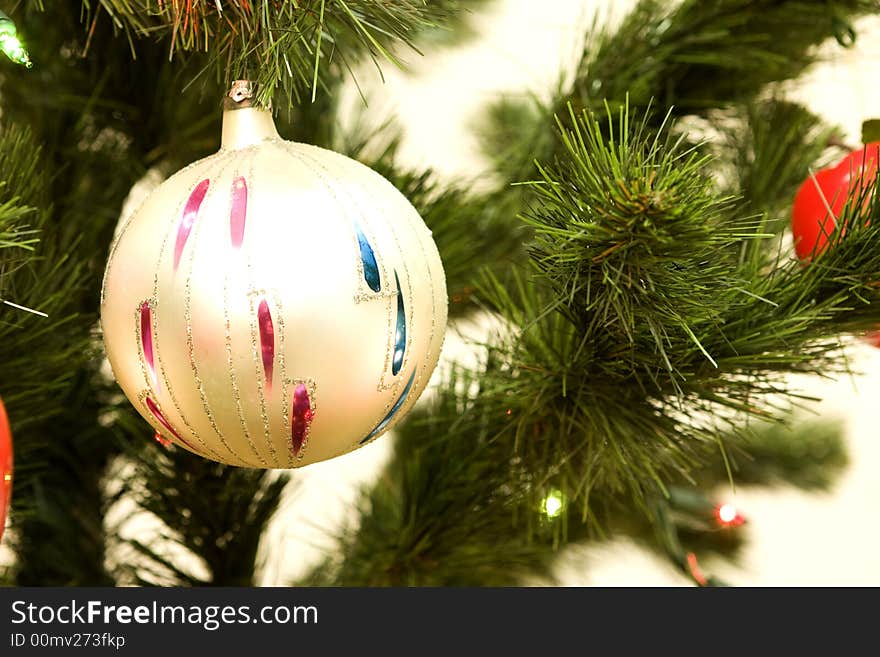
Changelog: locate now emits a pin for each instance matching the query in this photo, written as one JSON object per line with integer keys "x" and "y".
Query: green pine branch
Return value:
{"x": 218, "y": 513}
{"x": 700, "y": 55}
{"x": 693, "y": 56}
{"x": 289, "y": 48}
{"x": 458, "y": 506}
{"x": 95, "y": 124}
{"x": 767, "y": 149}
{"x": 802, "y": 451}
{"x": 639, "y": 342}
{"x": 447, "y": 511}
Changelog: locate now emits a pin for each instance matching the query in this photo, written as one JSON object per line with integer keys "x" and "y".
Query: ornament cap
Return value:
{"x": 246, "y": 127}
{"x": 244, "y": 124}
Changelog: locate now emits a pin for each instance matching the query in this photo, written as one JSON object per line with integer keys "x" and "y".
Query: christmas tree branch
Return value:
{"x": 601, "y": 414}
{"x": 288, "y": 48}
{"x": 697, "y": 55}
{"x": 767, "y": 149}
{"x": 631, "y": 238}
{"x": 448, "y": 509}
{"x": 693, "y": 56}
{"x": 805, "y": 452}
{"x": 217, "y": 512}
{"x": 95, "y": 124}
{"x": 458, "y": 506}
{"x": 624, "y": 334}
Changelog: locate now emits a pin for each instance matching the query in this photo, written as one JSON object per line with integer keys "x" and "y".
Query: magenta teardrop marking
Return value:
{"x": 190, "y": 212}
{"x": 301, "y": 418}
{"x": 147, "y": 342}
{"x": 267, "y": 340}
{"x": 238, "y": 213}
{"x": 154, "y": 409}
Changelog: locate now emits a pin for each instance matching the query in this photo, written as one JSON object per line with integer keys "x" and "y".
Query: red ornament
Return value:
{"x": 821, "y": 198}
{"x": 5, "y": 466}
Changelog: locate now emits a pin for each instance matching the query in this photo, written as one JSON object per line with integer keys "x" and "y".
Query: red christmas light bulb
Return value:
{"x": 727, "y": 515}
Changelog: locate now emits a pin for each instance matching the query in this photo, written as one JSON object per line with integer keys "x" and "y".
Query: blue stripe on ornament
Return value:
{"x": 400, "y": 401}
{"x": 368, "y": 258}
{"x": 400, "y": 331}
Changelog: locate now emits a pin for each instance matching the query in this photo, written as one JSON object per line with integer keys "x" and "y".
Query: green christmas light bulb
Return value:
{"x": 10, "y": 44}
{"x": 553, "y": 504}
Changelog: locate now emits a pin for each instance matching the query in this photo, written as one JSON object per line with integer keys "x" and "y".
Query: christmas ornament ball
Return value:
{"x": 822, "y": 197}
{"x": 274, "y": 304}
{"x": 5, "y": 466}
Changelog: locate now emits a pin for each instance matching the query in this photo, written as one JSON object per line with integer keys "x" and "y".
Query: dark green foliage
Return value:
{"x": 77, "y": 180}
{"x": 870, "y": 131}
{"x": 628, "y": 232}
{"x": 288, "y": 48}
{"x": 699, "y": 55}
{"x": 456, "y": 507}
{"x": 767, "y": 149}
{"x": 611, "y": 227}
{"x": 98, "y": 125}
{"x": 805, "y": 452}
{"x": 455, "y": 26}
{"x": 58, "y": 499}
{"x": 631, "y": 361}
{"x": 217, "y": 512}
{"x": 445, "y": 511}
{"x": 683, "y": 332}
{"x": 38, "y": 274}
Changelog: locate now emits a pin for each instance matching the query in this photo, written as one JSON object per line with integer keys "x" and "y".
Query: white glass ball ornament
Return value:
{"x": 274, "y": 304}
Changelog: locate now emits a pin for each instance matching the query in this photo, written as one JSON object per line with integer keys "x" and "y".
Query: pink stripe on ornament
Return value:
{"x": 190, "y": 213}
{"x": 267, "y": 340}
{"x": 301, "y": 418}
{"x": 147, "y": 342}
{"x": 238, "y": 213}
{"x": 154, "y": 409}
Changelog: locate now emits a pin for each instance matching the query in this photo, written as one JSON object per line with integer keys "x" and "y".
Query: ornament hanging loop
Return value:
{"x": 241, "y": 94}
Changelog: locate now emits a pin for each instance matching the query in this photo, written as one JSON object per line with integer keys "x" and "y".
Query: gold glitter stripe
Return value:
{"x": 233, "y": 379}
{"x": 215, "y": 169}
{"x": 252, "y": 184}
{"x": 187, "y": 314}
{"x": 282, "y": 370}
